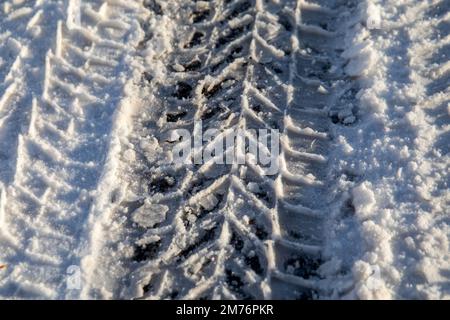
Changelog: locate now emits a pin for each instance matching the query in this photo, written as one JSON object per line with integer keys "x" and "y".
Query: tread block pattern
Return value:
{"x": 59, "y": 153}
{"x": 231, "y": 231}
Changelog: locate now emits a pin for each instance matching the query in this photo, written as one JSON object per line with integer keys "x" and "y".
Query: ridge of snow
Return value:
{"x": 394, "y": 164}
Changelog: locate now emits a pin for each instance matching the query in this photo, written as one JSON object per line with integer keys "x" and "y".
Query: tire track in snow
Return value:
{"x": 21, "y": 33}
{"x": 23, "y": 24}
{"x": 67, "y": 91}
{"x": 47, "y": 208}
{"x": 230, "y": 231}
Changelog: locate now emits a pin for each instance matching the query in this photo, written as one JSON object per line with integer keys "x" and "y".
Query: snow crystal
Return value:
{"x": 178, "y": 67}
{"x": 150, "y": 214}
{"x": 363, "y": 200}
{"x": 345, "y": 146}
{"x": 349, "y": 120}
{"x": 151, "y": 148}
{"x": 208, "y": 202}
{"x": 254, "y": 187}
{"x": 321, "y": 89}
{"x": 369, "y": 280}
{"x": 370, "y": 102}
{"x": 130, "y": 155}
{"x": 371, "y": 15}
{"x": 14, "y": 45}
{"x": 362, "y": 63}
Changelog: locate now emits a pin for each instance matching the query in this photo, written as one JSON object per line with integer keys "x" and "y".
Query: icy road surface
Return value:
{"x": 94, "y": 95}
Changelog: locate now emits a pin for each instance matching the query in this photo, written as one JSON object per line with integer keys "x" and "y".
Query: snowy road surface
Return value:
{"x": 349, "y": 100}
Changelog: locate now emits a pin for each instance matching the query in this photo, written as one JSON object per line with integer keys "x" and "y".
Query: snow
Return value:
{"x": 62, "y": 125}
{"x": 209, "y": 202}
{"x": 363, "y": 200}
{"x": 371, "y": 15}
{"x": 85, "y": 90}
{"x": 150, "y": 214}
{"x": 399, "y": 191}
